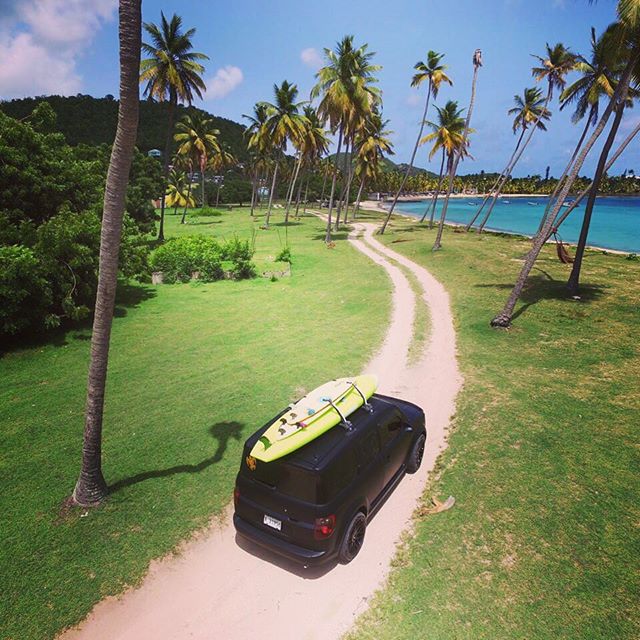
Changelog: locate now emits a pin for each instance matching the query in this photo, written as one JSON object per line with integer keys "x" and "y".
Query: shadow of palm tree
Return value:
{"x": 544, "y": 287}
{"x": 221, "y": 431}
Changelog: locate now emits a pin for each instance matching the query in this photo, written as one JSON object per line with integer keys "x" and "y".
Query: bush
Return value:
{"x": 284, "y": 255}
{"x": 179, "y": 258}
{"x": 24, "y": 291}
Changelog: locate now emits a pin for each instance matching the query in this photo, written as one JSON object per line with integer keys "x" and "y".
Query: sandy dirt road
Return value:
{"x": 222, "y": 587}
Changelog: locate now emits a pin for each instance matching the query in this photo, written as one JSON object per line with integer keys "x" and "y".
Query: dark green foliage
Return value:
{"x": 87, "y": 120}
{"x": 24, "y": 291}
{"x": 284, "y": 255}
{"x": 180, "y": 259}
{"x": 50, "y": 210}
{"x": 145, "y": 181}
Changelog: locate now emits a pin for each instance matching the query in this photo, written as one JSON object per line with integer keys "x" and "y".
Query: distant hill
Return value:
{"x": 389, "y": 165}
{"x": 84, "y": 119}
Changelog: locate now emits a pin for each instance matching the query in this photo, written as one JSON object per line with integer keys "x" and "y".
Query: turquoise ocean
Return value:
{"x": 615, "y": 223}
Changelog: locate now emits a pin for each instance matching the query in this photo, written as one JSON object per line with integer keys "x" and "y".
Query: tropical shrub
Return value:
{"x": 180, "y": 258}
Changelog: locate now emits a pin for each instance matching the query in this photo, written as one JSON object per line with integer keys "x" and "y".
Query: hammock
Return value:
{"x": 563, "y": 254}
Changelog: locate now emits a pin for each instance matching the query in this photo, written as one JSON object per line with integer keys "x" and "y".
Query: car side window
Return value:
{"x": 389, "y": 430}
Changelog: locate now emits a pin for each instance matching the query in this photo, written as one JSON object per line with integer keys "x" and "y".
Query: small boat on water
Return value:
{"x": 471, "y": 204}
{"x": 533, "y": 204}
{"x": 506, "y": 202}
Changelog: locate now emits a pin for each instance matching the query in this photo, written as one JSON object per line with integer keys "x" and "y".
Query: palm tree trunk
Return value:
{"x": 327, "y": 238}
{"x": 165, "y": 162}
{"x": 298, "y": 195}
{"x": 411, "y": 161}
{"x": 294, "y": 179}
{"x": 584, "y": 192}
{"x": 273, "y": 187}
{"x": 503, "y": 319}
{"x": 91, "y": 487}
{"x": 434, "y": 200}
{"x": 203, "y": 204}
{"x": 573, "y": 283}
{"x": 186, "y": 204}
{"x": 324, "y": 184}
{"x": 497, "y": 186}
{"x": 348, "y": 191}
{"x": 347, "y": 148}
{"x": 563, "y": 176}
{"x": 359, "y": 196}
{"x": 253, "y": 191}
{"x": 456, "y": 158}
{"x": 218, "y": 194}
{"x": 306, "y": 194}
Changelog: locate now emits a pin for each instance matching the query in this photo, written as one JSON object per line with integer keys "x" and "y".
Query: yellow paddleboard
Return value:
{"x": 311, "y": 416}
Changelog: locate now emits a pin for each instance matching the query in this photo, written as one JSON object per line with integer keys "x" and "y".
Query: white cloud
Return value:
{"x": 42, "y": 41}
{"x": 311, "y": 58}
{"x": 225, "y": 80}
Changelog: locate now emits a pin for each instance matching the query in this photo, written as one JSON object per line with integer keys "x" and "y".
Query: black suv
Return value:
{"x": 313, "y": 505}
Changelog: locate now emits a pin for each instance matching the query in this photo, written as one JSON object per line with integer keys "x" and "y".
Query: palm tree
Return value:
{"x": 219, "y": 162}
{"x": 434, "y": 72}
{"x": 597, "y": 80}
{"x": 172, "y": 73}
{"x": 626, "y": 44}
{"x": 91, "y": 488}
{"x": 284, "y": 124}
{"x": 529, "y": 110}
{"x": 477, "y": 63}
{"x": 448, "y": 137}
{"x": 371, "y": 144}
{"x": 258, "y": 156}
{"x": 179, "y": 191}
{"x": 197, "y": 138}
{"x": 629, "y": 14}
{"x": 346, "y": 86}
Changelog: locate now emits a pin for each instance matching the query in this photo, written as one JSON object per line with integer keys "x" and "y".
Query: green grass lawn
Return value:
{"x": 194, "y": 369}
{"x": 544, "y": 540}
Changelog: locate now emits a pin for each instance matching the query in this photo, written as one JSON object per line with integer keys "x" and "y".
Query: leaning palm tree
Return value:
{"x": 629, "y": 21}
{"x": 284, "y": 124}
{"x": 529, "y": 110}
{"x": 477, "y": 63}
{"x": 173, "y": 74}
{"x": 597, "y": 80}
{"x": 197, "y": 138}
{"x": 434, "y": 72}
{"x": 447, "y": 135}
{"x": 346, "y": 87}
{"x": 91, "y": 488}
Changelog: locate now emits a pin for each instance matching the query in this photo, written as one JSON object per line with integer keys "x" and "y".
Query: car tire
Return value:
{"x": 415, "y": 457}
{"x": 353, "y": 538}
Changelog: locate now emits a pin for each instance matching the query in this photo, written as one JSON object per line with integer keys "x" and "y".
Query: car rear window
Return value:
{"x": 288, "y": 479}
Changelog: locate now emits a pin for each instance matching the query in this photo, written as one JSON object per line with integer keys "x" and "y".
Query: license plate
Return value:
{"x": 273, "y": 523}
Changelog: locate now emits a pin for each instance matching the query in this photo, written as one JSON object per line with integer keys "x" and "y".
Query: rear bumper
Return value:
{"x": 281, "y": 547}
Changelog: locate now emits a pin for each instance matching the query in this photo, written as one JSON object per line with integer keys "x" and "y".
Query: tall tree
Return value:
{"x": 197, "y": 138}
{"x": 434, "y": 73}
{"x": 284, "y": 124}
{"x": 626, "y": 43}
{"x": 173, "y": 74}
{"x": 346, "y": 86}
{"x": 257, "y": 150}
{"x": 477, "y": 63}
{"x": 629, "y": 13}
{"x": 529, "y": 110}
{"x": 91, "y": 487}
{"x": 448, "y": 137}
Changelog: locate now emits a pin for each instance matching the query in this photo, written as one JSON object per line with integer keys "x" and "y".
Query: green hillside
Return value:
{"x": 89, "y": 120}
{"x": 389, "y": 165}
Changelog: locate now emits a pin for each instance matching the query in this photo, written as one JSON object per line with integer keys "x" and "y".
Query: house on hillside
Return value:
{"x": 154, "y": 153}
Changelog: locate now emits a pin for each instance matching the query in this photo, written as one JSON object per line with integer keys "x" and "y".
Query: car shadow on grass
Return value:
{"x": 223, "y": 432}
{"x": 545, "y": 287}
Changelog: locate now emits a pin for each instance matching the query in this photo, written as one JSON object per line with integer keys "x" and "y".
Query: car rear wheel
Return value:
{"x": 415, "y": 457}
{"x": 353, "y": 538}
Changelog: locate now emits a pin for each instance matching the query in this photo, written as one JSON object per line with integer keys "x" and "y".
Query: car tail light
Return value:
{"x": 324, "y": 527}
{"x": 236, "y": 495}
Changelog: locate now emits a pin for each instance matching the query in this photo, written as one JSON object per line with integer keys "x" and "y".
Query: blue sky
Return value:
{"x": 70, "y": 46}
